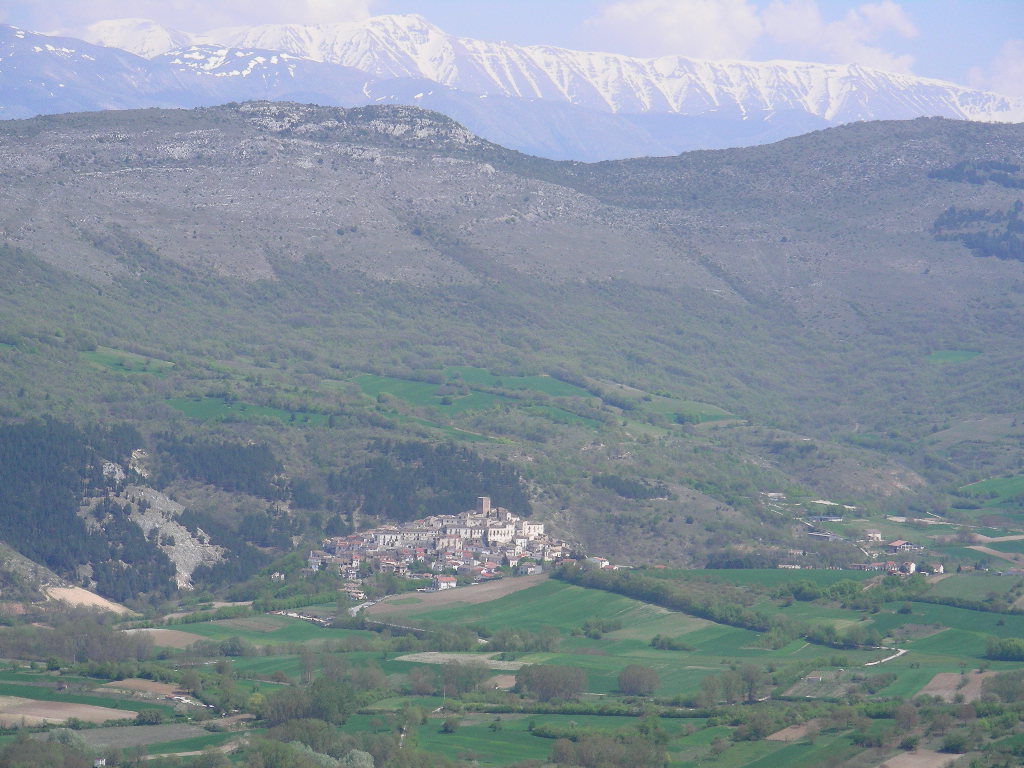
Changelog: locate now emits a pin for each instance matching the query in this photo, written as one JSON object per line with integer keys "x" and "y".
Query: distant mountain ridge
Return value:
{"x": 544, "y": 100}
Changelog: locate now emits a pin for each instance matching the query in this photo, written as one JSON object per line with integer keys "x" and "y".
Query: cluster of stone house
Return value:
{"x": 895, "y": 548}
{"x": 474, "y": 543}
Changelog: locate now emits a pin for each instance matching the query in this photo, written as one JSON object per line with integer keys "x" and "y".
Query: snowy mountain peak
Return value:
{"x": 541, "y": 99}
{"x": 143, "y": 37}
{"x": 409, "y": 46}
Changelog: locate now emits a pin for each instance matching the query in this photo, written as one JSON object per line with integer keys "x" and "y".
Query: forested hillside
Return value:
{"x": 50, "y": 469}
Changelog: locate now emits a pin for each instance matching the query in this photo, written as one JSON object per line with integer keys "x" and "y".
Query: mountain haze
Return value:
{"x": 539, "y": 99}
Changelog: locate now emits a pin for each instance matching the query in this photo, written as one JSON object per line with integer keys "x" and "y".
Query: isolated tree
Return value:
{"x": 422, "y": 682}
{"x": 754, "y": 681}
{"x": 638, "y": 680}
{"x": 190, "y": 681}
{"x": 459, "y": 678}
{"x": 731, "y": 685}
{"x": 548, "y": 681}
{"x": 710, "y": 691}
{"x": 905, "y": 717}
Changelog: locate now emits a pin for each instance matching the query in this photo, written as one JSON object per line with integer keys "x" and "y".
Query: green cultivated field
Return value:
{"x": 551, "y": 603}
{"x": 996, "y": 491}
{"x": 767, "y": 577}
{"x": 972, "y": 586}
{"x": 567, "y": 607}
{"x": 937, "y": 638}
{"x": 690, "y": 410}
{"x": 952, "y": 356}
{"x": 265, "y": 630}
{"x": 546, "y": 385}
{"x": 126, "y": 362}
{"x": 219, "y": 409}
{"x": 424, "y": 394}
{"x": 1013, "y": 547}
{"x": 489, "y": 747}
{"x": 195, "y": 744}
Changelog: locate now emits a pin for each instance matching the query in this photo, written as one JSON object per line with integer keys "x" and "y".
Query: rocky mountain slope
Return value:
{"x": 830, "y": 316}
{"x": 549, "y": 101}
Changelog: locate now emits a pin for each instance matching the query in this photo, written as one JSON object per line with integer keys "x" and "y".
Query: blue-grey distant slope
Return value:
{"x": 542, "y": 100}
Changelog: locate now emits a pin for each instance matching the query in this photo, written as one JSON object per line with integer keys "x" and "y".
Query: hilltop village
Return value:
{"x": 460, "y": 548}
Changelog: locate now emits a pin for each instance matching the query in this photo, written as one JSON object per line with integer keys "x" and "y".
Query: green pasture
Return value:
{"x": 262, "y": 667}
{"x": 1010, "y": 547}
{"x": 219, "y": 409}
{"x": 765, "y": 577}
{"x": 413, "y": 392}
{"x": 961, "y": 553}
{"x": 561, "y": 416}
{"x": 547, "y": 385}
{"x": 677, "y": 674}
{"x": 740, "y": 754}
{"x": 500, "y": 740}
{"x": 44, "y": 678}
{"x": 996, "y": 490}
{"x": 690, "y": 410}
{"x": 195, "y": 744}
{"x": 815, "y": 613}
{"x": 972, "y": 586}
{"x": 551, "y": 603}
{"x": 567, "y": 607}
{"x": 265, "y": 666}
{"x": 424, "y": 394}
{"x": 452, "y": 433}
{"x": 910, "y": 680}
{"x": 125, "y": 362}
{"x": 801, "y": 754}
{"x": 265, "y": 630}
{"x": 1000, "y": 625}
{"x": 979, "y": 515}
{"x": 919, "y": 533}
{"x": 476, "y": 741}
{"x": 941, "y": 356}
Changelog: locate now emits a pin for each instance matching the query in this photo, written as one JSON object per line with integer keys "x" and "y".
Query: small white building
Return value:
{"x": 440, "y": 582}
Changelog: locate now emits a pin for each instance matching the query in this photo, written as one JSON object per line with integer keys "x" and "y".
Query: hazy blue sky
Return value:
{"x": 974, "y": 42}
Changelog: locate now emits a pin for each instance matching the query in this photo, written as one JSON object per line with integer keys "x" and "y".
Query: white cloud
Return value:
{"x": 1005, "y": 74}
{"x": 187, "y": 15}
{"x": 798, "y": 25}
{"x": 712, "y": 29}
{"x": 737, "y": 28}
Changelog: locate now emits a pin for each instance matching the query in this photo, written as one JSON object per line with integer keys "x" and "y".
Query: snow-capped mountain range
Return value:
{"x": 539, "y": 99}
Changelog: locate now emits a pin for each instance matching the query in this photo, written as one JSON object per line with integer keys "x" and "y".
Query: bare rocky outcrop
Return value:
{"x": 186, "y": 550}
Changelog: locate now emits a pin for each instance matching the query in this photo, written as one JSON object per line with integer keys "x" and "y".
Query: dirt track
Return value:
{"x": 478, "y": 593}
